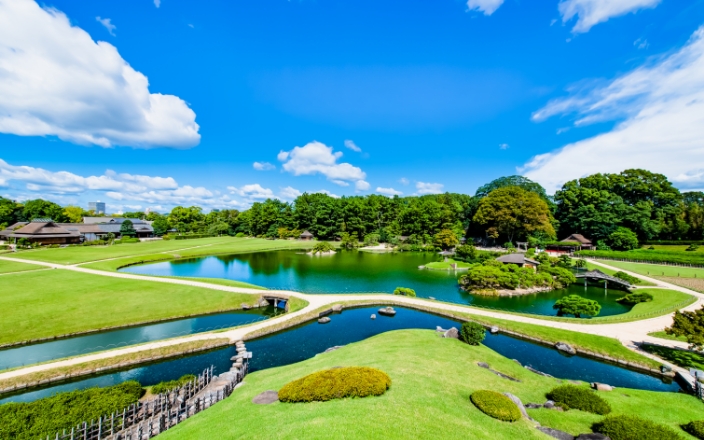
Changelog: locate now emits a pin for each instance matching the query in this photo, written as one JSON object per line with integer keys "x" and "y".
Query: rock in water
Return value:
{"x": 266, "y": 398}
{"x": 324, "y": 320}
{"x": 337, "y": 308}
{"x": 494, "y": 329}
{"x": 373, "y": 316}
{"x": 388, "y": 311}
{"x": 452, "y": 333}
{"x": 566, "y": 348}
{"x": 244, "y": 306}
{"x": 554, "y": 433}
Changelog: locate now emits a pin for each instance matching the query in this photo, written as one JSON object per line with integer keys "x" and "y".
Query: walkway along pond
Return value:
{"x": 306, "y": 340}
{"x": 90, "y": 343}
{"x": 367, "y": 272}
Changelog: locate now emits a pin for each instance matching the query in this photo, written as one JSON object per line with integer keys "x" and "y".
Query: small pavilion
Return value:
{"x": 306, "y": 236}
{"x": 518, "y": 259}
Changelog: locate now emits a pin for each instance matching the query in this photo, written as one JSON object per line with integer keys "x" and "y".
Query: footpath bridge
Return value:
{"x": 597, "y": 275}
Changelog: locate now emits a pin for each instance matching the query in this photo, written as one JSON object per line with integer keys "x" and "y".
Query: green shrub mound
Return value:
{"x": 574, "y": 397}
{"x": 167, "y": 386}
{"x": 336, "y": 383}
{"x": 495, "y": 405}
{"x": 46, "y": 417}
{"x": 635, "y": 298}
{"x": 322, "y": 247}
{"x": 695, "y": 428}
{"x": 472, "y": 333}
{"x": 634, "y": 428}
{"x": 626, "y": 277}
{"x": 405, "y": 291}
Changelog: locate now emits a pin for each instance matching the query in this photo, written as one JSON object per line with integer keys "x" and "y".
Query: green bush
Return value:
{"x": 239, "y": 234}
{"x": 633, "y": 428}
{"x": 323, "y": 246}
{"x": 635, "y": 298}
{"x": 695, "y": 428}
{"x": 472, "y": 333}
{"x": 574, "y": 397}
{"x": 577, "y": 306}
{"x": 46, "y": 417}
{"x": 167, "y": 386}
{"x": 626, "y": 277}
{"x": 336, "y": 383}
{"x": 405, "y": 291}
{"x": 495, "y": 405}
{"x": 692, "y": 247}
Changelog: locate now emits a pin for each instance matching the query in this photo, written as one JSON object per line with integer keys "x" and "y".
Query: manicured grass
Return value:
{"x": 656, "y": 270}
{"x": 663, "y": 335}
{"x": 592, "y": 266}
{"x": 233, "y": 246}
{"x": 432, "y": 379}
{"x": 11, "y": 266}
{"x": 49, "y": 303}
{"x": 683, "y": 358}
{"x": 445, "y": 265}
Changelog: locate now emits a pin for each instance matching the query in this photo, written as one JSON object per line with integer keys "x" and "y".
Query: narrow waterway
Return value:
{"x": 352, "y": 325}
{"x": 90, "y": 343}
{"x": 360, "y": 272}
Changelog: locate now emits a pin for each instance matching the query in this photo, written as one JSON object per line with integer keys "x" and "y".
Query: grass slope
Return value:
{"x": 432, "y": 379}
{"x": 11, "y": 266}
{"x": 57, "y": 302}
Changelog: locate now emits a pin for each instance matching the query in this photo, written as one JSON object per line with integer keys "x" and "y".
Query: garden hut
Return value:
{"x": 306, "y": 236}
{"x": 41, "y": 231}
{"x": 519, "y": 260}
{"x": 584, "y": 243}
{"x": 446, "y": 254}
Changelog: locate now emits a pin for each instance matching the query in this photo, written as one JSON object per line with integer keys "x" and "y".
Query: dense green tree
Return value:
{"x": 134, "y": 214}
{"x": 189, "y": 219}
{"x": 10, "y": 212}
{"x": 623, "y": 239}
{"x": 446, "y": 239}
{"x": 689, "y": 325}
{"x": 160, "y": 225}
{"x": 694, "y": 214}
{"x": 38, "y": 208}
{"x": 577, "y": 306}
{"x": 467, "y": 252}
{"x": 514, "y": 212}
{"x": 74, "y": 214}
{"x": 127, "y": 229}
{"x": 519, "y": 181}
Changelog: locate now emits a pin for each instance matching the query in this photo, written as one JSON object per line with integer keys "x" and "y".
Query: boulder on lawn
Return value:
{"x": 452, "y": 333}
{"x": 565, "y": 348}
{"x": 554, "y": 433}
{"x": 602, "y": 386}
{"x": 324, "y": 320}
{"x": 266, "y": 397}
{"x": 520, "y": 406}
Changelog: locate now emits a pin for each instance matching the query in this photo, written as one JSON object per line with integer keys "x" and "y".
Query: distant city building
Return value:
{"x": 97, "y": 207}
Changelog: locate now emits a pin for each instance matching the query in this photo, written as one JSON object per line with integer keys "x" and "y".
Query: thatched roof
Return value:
{"x": 306, "y": 234}
{"x": 516, "y": 258}
{"x": 579, "y": 238}
{"x": 41, "y": 229}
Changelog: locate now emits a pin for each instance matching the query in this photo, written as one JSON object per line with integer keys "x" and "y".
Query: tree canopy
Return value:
{"x": 689, "y": 325}
{"x": 577, "y": 306}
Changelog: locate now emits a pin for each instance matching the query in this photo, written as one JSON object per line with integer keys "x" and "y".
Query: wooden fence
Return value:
{"x": 145, "y": 420}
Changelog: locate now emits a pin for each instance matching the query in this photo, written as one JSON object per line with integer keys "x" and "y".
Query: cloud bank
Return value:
{"x": 56, "y": 81}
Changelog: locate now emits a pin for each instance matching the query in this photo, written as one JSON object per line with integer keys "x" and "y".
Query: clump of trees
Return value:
{"x": 577, "y": 306}
{"x": 689, "y": 325}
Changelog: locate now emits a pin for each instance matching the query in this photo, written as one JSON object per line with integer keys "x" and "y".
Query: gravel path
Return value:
{"x": 628, "y": 333}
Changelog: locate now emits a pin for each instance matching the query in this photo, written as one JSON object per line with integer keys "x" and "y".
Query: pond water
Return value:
{"x": 352, "y": 325}
{"x": 359, "y": 272}
{"x": 77, "y": 345}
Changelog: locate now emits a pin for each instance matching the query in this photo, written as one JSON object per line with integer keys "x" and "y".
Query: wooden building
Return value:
{"x": 306, "y": 236}
{"x": 519, "y": 260}
{"x": 42, "y": 231}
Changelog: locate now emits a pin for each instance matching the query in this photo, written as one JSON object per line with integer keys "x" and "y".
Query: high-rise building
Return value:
{"x": 97, "y": 207}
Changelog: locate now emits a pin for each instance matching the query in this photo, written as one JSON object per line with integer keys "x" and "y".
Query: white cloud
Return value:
{"x": 352, "y": 146}
{"x": 289, "y": 193}
{"x": 361, "y": 185}
{"x": 429, "y": 188}
{"x": 488, "y": 7}
{"x": 317, "y": 158}
{"x": 504, "y": 146}
{"x": 106, "y": 23}
{"x": 403, "y": 181}
{"x": 641, "y": 43}
{"x": 592, "y": 12}
{"x": 263, "y": 166}
{"x": 157, "y": 3}
{"x": 253, "y": 192}
{"x": 662, "y": 108}
{"x": 56, "y": 81}
{"x": 340, "y": 182}
{"x": 388, "y": 191}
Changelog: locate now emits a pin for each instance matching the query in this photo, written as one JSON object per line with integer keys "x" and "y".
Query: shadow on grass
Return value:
{"x": 683, "y": 358}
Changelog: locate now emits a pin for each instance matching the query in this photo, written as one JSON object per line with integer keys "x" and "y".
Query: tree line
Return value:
{"x": 613, "y": 210}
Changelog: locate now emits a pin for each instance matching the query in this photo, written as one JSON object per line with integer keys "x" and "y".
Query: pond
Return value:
{"x": 359, "y": 272}
{"x": 89, "y": 343}
{"x": 352, "y": 325}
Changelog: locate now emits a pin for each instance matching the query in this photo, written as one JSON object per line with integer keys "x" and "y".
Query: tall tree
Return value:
{"x": 74, "y": 214}
{"x": 10, "y": 212}
{"x": 127, "y": 229}
{"x": 38, "y": 208}
{"x": 514, "y": 212}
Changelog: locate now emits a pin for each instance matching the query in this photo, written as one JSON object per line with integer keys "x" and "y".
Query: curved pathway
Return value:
{"x": 628, "y": 332}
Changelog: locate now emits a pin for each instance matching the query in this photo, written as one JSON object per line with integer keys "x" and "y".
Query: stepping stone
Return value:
{"x": 266, "y": 398}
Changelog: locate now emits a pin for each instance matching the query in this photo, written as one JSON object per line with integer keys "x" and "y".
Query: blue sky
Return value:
{"x": 247, "y": 100}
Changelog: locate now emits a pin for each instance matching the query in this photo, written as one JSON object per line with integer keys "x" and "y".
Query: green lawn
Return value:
{"x": 49, "y": 303}
{"x": 592, "y": 266}
{"x": 683, "y": 358}
{"x": 663, "y": 335}
{"x": 432, "y": 379}
{"x": 11, "y": 266}
{"x": 445, "y": 265}
{"x": 655, "y": 270}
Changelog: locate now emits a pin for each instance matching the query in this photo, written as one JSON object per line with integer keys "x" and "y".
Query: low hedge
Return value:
{"x": 626, "y": 277}
{"x": 45, "y": 417}
{"x": 495, "y": 405}
{"x": 635, "y": 298}
{"x": 633, "y": 428}
{"x": 336, "y": 383}
{"x": 574, "y": 397}
{"x": 695, "y": 428}
{"x": 168, "y": 386}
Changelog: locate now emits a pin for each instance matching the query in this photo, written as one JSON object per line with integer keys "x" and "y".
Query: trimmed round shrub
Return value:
{"x": 336, "y": 383}
{"x": 635, "y": 298}
{"x": 405, "y": 291}
{"x": 633, "y": 428}
{"x": 472, "y": 333}
{"x": 574, "y": 397}
{"x": 695, "y": 428}
{"x": 495, "y": 405}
